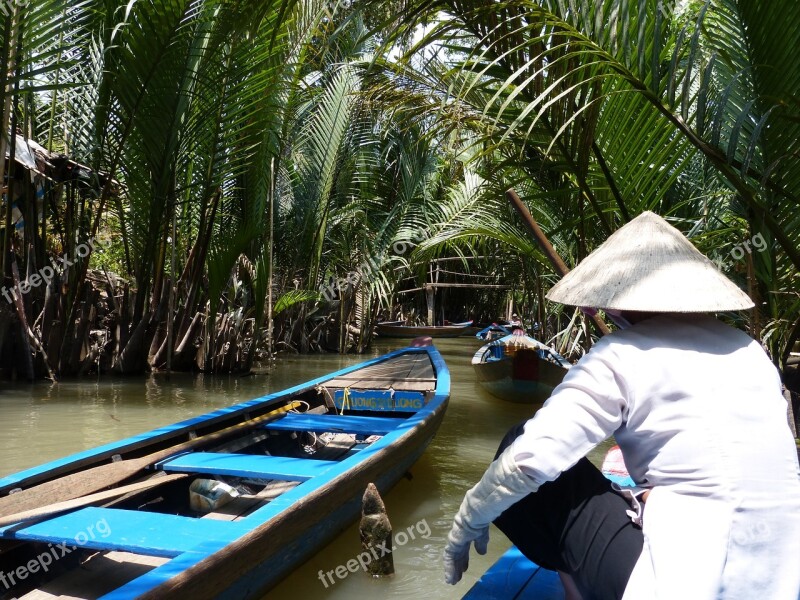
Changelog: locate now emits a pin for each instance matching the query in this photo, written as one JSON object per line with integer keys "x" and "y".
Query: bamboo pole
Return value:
{"x": 60, "y": 507}
{"x": 546, "y": 247}
{"x": 94, "y": 479}
{"x": 470, "y": 286}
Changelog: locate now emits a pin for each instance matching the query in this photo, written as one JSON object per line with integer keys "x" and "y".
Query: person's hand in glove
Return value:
{"x": 501, "y": 486}
{"x": 456, "y": 553}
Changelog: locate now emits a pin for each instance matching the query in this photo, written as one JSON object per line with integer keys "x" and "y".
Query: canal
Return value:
{"x": 42, "y": 422}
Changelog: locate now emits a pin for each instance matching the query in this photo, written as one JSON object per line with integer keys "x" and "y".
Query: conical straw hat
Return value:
{"x": 649, "y": 266}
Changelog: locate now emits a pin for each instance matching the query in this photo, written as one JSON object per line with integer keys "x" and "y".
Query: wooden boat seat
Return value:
{"x": 413, "y": 384}
{"x": 247, "y": 465}
{"x": 381, "y": 400}
{"x": 335, "y": 423}
{"x": 154, "y": 534}
{"x": 98, "y": 575}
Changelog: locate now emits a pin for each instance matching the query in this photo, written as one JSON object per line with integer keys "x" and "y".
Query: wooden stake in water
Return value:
{"x": 376, "y": 533}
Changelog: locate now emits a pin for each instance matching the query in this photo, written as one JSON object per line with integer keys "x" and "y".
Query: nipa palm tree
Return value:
{"x": 598, "y": 110}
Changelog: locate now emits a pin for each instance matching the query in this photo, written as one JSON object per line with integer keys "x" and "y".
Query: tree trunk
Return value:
{"x": 132, "y": 358}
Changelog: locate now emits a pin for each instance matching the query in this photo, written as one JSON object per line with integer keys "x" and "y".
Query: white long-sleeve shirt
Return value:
{"x": 697, "y": 409}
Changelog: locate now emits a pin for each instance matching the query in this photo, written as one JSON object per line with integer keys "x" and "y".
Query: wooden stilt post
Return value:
{"x": 431, "y": 301}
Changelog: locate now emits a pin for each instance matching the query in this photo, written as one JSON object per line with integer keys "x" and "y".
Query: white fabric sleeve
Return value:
{"x": 585, "y": 409}
{"x": 502, "y": 485}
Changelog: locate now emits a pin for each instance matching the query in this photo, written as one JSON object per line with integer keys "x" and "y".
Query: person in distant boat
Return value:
{"x": 697, "y": 410}
{"x": 515, "y": 322}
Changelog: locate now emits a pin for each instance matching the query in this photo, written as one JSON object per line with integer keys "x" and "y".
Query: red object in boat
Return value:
{"x": 525, "y": 365}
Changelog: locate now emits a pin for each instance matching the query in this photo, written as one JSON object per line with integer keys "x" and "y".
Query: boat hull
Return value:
{"x": 522, "y": 378}
{"x": 257, "y": 550}
{"x": 498, "y": 380}
{"x": 260, "y": 560}
{"x": 398, "y": 330}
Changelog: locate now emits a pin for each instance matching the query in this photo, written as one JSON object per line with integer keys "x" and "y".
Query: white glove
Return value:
{"x": 501, "y": 486}
{"x": 456, "y": 556}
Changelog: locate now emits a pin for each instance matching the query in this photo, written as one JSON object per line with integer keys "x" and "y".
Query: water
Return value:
{"x": 42, "y": 422}
{"x": 465, "y": 444}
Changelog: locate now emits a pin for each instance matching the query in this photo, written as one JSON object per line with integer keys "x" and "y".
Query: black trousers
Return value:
{"x": 576, "y": 524}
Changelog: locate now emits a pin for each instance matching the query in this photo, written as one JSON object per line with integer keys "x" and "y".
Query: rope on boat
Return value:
{"x": 294, "y": 410}
{"x": 345, "y": 399}
{"x": 321, "y": 389}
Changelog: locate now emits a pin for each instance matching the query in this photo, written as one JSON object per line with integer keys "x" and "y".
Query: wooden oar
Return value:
{"x": 59, "y": 507}
{"x": 98, "y": 478}
{"x": 550, "y": 252}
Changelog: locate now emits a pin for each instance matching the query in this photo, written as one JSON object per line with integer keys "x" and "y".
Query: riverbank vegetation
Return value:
{"x": 279, "y": 175}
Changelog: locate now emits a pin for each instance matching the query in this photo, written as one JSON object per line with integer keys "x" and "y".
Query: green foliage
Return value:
{"x": 205, "y": 111}
{"x": 293, "y": 297}
{"x": 598, "y": 110}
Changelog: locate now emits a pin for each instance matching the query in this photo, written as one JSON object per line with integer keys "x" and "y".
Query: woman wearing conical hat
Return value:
{"x": 697, "y": 409}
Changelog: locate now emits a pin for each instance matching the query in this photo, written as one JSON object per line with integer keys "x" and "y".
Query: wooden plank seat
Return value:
{"x": 247, "y": 465}
{"x": 154, "y": 534}
{"x": 98, "y": 575}
{"x": 383, "y": 383}
{"x": 335, "y": 423}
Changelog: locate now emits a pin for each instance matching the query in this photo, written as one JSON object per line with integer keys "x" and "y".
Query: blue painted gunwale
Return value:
{"x": 262, "y": 574}
{"x": 514, "y": 576}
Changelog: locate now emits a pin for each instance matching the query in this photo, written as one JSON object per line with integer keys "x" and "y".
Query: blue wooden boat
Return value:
{"x": 298, "y": 461}
{"x": 493, "y": 332}
{"x": 519, "y": 368}
{"x": 514, "y": 576}
{"x": 401, "y": 330}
